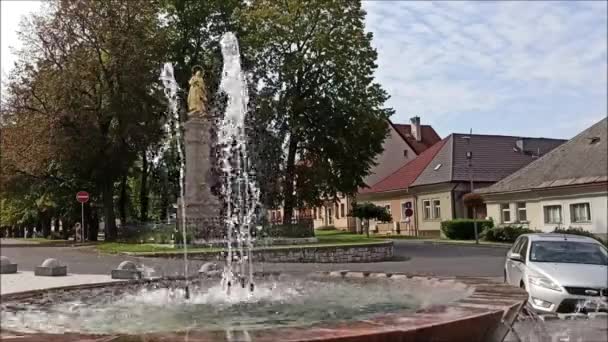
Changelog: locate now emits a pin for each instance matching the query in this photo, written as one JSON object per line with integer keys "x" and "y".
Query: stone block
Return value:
{"x": 53, "y": 271}
{"x": 51, "y": 268}
{"x": 6, "y": 266}
{"x": 126, "y": 274}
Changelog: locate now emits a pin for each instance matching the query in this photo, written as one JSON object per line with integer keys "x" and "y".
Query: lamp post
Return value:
{"x": 470, "y": 162}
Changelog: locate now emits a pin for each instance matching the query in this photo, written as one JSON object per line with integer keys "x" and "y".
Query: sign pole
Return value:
{"x": 82, "y": 224}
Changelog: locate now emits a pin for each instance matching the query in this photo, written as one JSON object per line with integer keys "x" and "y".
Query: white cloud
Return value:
{"x": 449, "y": 58}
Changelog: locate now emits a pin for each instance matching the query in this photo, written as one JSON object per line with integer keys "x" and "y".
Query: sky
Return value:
{"x": 524, "y": 68}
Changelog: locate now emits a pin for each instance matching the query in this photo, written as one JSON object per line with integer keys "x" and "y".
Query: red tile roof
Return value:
{"x": 407, "y": 174}
{"x": 429, "y": 136}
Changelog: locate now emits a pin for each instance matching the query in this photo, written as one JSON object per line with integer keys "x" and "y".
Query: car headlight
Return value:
{"x": 541, "y": 281}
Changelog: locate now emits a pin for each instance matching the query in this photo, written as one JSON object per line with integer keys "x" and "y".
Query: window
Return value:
{"x": 523, "y": 251}
{"x": 580, "y": 213}
{"x": 342, "y": 210}
{"x": 426, "y": 205}
{"x": 522, "y": 215}
{"x": 553, "y": 213}
{"x": 405, "y": 153}
{"x": 388, "y": 209}
{"x": 314, "y": 213}
{"x": 403, "y": 207}
{"x": 330, "y": 218}
{"x": 505, "y": 213}
{"x": 436, "y": 209}
{"x": 337, "y": 212}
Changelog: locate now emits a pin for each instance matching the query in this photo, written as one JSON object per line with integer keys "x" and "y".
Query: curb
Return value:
{"x": 481, "y": 245}
{"x": 47, "y": 244}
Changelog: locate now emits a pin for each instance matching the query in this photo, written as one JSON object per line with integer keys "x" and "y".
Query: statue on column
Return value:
{"x": 197, "y": 95}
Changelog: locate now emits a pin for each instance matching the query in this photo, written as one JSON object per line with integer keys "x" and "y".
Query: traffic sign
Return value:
{"x": 409, "y": 212}
{"x": 408, "y": 205}
{"x": 82, "y": 196}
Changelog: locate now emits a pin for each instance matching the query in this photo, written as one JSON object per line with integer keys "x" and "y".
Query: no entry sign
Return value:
{"x": 82, "y": 196}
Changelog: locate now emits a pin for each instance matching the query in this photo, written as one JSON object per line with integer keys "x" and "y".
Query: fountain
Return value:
{"x": 341, "y": 305}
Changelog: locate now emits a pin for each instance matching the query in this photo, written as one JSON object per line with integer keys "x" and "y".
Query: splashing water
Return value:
{"x": 171, "y": 91}
{"x": 239, "y": 189}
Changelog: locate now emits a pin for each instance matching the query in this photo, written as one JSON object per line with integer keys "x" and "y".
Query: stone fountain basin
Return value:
{"x": 484, "y": 315}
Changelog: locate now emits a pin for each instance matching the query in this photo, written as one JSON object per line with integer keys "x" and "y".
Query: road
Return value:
{"x": 410, "y": 256}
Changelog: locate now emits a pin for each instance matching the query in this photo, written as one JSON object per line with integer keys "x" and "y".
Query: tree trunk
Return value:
{"x": 46, "y": 225}
{"x": 56, "y": 224}
{"x": 288, "y": 187}
{"x": 108, "y": 211}
{"x": 30, "y": 231}
{"x": 92, "y": 223}
{"x": 143, "y": 189}
{"x": 122, "y": 201}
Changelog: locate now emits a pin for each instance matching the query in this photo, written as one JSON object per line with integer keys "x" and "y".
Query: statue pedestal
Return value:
{"x": 202, "y": 207}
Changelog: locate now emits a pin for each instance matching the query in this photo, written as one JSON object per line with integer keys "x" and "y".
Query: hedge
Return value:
{"x": 506, "y": 233}
{"x": 301, "y": 229}
{"x": 579, "y": 231}
{"x": 463, "y": 229}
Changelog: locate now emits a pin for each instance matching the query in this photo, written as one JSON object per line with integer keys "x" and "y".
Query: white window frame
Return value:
{"x": 435, "y": 208}
{"x": 561, "y": 214}
{"x": 426, "y": 205}
{"x": 504, "y": 210}
{"x": 520, "y": 209}
{"x": 588, "y": 205}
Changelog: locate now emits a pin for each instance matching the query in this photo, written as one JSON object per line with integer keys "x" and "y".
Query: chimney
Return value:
{"x": 416, "y": 131}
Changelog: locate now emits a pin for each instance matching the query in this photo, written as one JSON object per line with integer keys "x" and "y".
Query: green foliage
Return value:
{"x": 369, "y": 211}
{"x": 314, "y": 64}
{"x": 505, "y": 233}
{"x": 579, "y": 231}
{"x": 326, "y": 228}
{"x": 463, "y": 229}
{"x": 298, "y": 230}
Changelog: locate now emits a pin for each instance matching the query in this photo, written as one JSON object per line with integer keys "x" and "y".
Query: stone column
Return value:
{"x": 202, "y": 207}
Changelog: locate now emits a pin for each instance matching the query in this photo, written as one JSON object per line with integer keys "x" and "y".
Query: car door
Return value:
{"x": 518, "y": 268}
{"x": 510, "y": 265}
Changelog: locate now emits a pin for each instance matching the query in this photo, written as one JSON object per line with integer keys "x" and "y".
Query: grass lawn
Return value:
{"x": 325, "y": 237}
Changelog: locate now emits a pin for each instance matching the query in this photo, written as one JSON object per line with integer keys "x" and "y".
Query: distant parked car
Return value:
{"x": 562, "y": 273}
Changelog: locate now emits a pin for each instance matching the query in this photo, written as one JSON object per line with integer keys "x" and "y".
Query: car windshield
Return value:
{"x": 571, "y": 252}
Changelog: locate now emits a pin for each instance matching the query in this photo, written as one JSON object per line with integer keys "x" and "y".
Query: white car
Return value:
{"x": 562, "y": 273}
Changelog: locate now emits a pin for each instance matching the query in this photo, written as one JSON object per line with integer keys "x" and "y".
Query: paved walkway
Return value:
{"x": 27, "y": 281}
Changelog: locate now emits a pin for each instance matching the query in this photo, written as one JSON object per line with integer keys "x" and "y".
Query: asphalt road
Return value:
{"x": 410, "y": 256}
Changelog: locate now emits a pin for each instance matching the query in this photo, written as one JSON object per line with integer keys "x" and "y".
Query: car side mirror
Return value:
{"x": 516, "y": 257}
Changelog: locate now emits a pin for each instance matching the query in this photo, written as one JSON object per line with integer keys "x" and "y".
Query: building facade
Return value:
{"x": 437, "y": 180}
{"x": 568, "y": 187}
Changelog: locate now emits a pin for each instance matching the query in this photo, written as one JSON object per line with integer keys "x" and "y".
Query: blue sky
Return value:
{"x": 526, "y": 68}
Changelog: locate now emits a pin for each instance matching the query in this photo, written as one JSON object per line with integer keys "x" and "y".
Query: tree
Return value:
{"x": 314, "y": 98}
{"x": 369, "y": 211}
{"x": 90, "y": 67}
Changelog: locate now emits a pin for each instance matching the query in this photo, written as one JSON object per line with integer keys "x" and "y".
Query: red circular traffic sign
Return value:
{"x": 409, "y": 212}
{"x": 82, "y": 196}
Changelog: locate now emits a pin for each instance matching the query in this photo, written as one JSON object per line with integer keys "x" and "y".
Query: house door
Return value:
{"x": 330, "y": 217}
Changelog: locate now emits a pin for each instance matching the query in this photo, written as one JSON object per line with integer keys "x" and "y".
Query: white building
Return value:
{"x": 567, "y": 187}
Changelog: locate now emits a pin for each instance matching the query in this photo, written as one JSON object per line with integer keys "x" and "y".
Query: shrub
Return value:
{"x": 302, "y": 229}
{"x": 579, "y": 231}
{"x": 464, "y": 229}
{"x": 55, "y": 235}
{"x": 505, "y": 233}
{"x": 327, "y": 228}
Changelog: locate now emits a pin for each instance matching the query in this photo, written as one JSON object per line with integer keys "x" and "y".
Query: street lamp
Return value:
{"x": 469, "y": 157}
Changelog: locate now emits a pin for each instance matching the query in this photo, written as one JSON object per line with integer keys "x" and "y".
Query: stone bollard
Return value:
{"x": 51, "y": 268}
{"x": 126, "y": 270}
{"x": 6, "y": 266}
{"x": 209, "y": 269}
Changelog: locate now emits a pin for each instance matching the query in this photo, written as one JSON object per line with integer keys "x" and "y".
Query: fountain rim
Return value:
{"x": 488, "y": 299}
